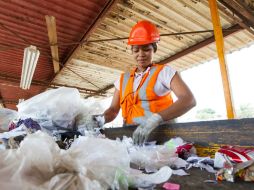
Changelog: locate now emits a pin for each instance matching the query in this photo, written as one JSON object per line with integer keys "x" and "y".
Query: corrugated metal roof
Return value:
{"x": 94, "y": 77}
{"x": 94, "y": 66}
{"x": 22, "y": 23}
{"x": 171, "y": 17}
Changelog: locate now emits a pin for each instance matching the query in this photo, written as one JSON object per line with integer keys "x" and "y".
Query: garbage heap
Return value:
{"x": 51, "y": 143}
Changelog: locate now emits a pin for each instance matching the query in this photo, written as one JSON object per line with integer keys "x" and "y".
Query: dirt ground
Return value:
{"x": 195, "y": 181}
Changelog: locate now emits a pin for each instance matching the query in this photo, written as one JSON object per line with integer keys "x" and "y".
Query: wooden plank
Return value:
{"x": 234, "y": 132}
{"x": 242, "y": 10}
{"x": 51, "y": 26}
{"x": 96, "y": 23}
{"x": 208, "y": 136}
{"x": 221, "y": 55}
{"x": 44, "y": 83}
{"x": 234, "y": 13}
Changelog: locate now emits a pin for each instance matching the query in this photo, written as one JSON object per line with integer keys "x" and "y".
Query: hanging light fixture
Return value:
{"x": 30, "y": 59}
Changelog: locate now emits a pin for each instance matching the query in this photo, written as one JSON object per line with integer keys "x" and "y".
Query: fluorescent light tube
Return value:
{"x": 30, "y": 59}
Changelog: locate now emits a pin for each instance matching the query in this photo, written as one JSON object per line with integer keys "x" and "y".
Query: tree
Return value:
{"x": 245, "y": 111}
{"x": 205, "y": 114}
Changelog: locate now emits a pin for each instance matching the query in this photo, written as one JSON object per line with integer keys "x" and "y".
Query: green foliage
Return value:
{"x": 206, "y": 114}
{"x": 245, "y": 111}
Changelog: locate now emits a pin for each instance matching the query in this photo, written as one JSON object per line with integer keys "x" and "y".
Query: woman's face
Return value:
{"x": 143, "y": 55}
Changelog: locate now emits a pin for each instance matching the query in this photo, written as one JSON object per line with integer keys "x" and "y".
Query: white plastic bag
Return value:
{"x": 149, "y": 180}
{"x": 6, "y": 116}
{"x": 90, "y": 163}
{"x": 103, "y": 158}
{"x": 56, "y": 108}
{"x": 153, "y": 157}
{"x": 31, "y": 164}
{"x": 84, "y": 120}
{"x": 39, "y": 164}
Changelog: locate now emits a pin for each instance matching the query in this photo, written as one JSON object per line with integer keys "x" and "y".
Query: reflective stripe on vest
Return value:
{"x": 143, "y": 96}
{"x": 126, "y": 77}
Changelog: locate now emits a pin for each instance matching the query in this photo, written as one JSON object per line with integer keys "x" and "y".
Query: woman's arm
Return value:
{"x": 185, "y": 99}
{"x": 111, "y": 113}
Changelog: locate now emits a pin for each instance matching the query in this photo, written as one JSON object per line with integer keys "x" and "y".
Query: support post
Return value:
{"x": 220, "y": 50}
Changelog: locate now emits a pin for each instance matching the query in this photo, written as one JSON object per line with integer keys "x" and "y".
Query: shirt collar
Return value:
{"x": 137, "y": 74}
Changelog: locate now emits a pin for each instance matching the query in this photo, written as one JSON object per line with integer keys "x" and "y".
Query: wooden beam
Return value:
{"x": 237, "y": 15}
{"x": 242, "y": 9}
{"x": 51, "y": 26}
{"x": 220, "y": 50}
{"x": 204, "y": 43}
{"x": 14, "y": 79}
{"x": 110, "y": 4}
{"x": 108, "y": 87}
{"x": 7, "y": 101}
{"x": 210, "y": 134}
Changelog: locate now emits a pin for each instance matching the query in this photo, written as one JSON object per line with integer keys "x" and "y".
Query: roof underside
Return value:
{"x": 94, "y": 65}
{"x": 22, "y": 23}
{"x": 178, "y": 17}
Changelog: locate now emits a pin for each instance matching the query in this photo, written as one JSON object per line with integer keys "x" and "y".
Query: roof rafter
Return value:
{"x": 52, "y": 85}
{"x": 240, "y": 13}
{"x": 200, "y": 45}
{"x": 107, "y": 7}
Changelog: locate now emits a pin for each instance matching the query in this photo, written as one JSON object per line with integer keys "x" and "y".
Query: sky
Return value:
{"x": 205, "y": 83}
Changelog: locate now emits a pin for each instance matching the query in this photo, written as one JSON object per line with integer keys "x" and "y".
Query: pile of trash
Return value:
{"x": 51, "y": 143}
{"x": 89, "y": 163}
{"x": 235, "y": 163}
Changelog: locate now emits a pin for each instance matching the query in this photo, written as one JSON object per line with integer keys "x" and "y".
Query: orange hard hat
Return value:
{"x": 144, "y": 32}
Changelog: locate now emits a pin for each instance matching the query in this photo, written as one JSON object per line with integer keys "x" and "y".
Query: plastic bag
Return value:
{"x": 6, "y": 116}
{"x": 102, "y": 158}
{"x": 53, "y": 109}
{"x": 90, "y": 163}
{"x": 137, "y": 179}
{"x": 153, "y": 157}
{"x": 39, "y": 164}
{"x": 31, "y": 164}
{"x": 234, "y": 154}
{"x": 84, "y": 120}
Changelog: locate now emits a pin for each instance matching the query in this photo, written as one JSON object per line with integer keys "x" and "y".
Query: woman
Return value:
{"x": 144, "y": 94}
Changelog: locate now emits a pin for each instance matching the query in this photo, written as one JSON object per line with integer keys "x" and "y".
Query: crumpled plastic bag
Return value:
{"x": 90, "y": 163}
{"x": 102, "y": 158}
{"x": 84, "y": 120}
{"x": 152, "y": 157}
{"x": 39, "y": 164}
{"x": 53, "y": 109}
{"x": 29, "y": 165}
{"x": 139, "y": 179}
{"x": 202, "y": 162}
{"x": 6, "y": 116}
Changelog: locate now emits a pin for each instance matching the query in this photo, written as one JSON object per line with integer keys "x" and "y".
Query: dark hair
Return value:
{"x": 154, "y": 47}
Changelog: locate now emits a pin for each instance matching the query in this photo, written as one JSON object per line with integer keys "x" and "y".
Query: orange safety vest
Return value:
{"x": 138, "y": 105}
